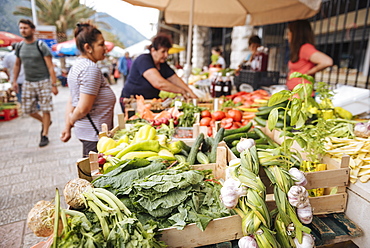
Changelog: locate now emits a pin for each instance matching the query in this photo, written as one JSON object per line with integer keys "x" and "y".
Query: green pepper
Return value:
{"x": 175, "y": 147}
{"x": 147, "y": 145}
{"x": 145, "y": 132}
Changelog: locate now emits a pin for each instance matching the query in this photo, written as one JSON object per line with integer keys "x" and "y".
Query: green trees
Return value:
{"x": 64, "y": 14}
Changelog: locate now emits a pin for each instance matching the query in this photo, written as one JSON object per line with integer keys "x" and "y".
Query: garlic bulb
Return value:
{"x": 230, "y": 192}
{"x": 247, "y": 242}
{"x": 298, "y": 196}
{"x": 307, "y": 241}
{"x": 229, "y": 201}
{"x": 298, "y": 176}
{"x": 245, "y": 144}
{"x": 362, "y": 130}
{"x": 305, "y": 214}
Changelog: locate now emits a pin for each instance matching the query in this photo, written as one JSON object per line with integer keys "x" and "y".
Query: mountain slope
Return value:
{"x": 124, "y": 32}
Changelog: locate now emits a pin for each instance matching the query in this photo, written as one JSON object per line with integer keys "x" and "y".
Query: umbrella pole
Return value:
{"x": 187, "y": 67}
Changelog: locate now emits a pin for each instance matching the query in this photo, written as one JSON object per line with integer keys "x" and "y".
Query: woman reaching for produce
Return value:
{"x": 149, "y": 74}
{"x": 304, "y": 57}
{"x": 92, "y": 100}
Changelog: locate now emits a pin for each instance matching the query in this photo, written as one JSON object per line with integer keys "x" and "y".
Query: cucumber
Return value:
{"x": 253, "y": 135}
{"x": 235, "y": 151}
{"x": 229, "y": 139}
{"x": 184, "y": 146}
{"x": 234, "y": 143}
{"x": 207, "y": 144}
{"x": 202, "y": 158}
{"x": 260, "y": 121}
{"x": 261, "y": 141}
{"x": 218, "y": 138}
{"x": 264, "y": 136}
{"x": 195, "y": 148}
{"x": 243, "y": 129}
{"x": 263, "y": 146}
{"x": 180, "y": 158}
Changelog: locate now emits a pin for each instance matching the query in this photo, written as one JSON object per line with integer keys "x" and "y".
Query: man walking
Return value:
{"x": 8, "y": 63}
{"x": 38, "y": 68}
{"x": 124, "y": 65}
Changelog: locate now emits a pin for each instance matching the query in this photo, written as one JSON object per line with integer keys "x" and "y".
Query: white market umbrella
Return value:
{"x": 230, "y": 13}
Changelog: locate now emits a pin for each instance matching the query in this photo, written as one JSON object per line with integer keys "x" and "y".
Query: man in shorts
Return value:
{"x": 38, "y": 68}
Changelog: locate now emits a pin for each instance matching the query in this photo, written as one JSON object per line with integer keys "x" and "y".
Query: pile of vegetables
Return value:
{"x": 172, "y": 196}
{"x": 245, "y": 192}
{"x": 101, "y": 221}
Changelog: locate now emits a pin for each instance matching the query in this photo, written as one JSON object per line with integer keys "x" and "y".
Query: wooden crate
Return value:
{"x": 86, "y": 166}
{"x": 336, "y": 175}
{"x": 218, "y": 230}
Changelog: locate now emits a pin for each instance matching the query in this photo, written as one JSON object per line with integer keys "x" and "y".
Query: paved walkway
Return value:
{"x": 29, "y": 174}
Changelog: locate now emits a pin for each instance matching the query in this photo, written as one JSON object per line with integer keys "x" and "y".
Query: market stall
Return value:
{"x": 272, "y": 180}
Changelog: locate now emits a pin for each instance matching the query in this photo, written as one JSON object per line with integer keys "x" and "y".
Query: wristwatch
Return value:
{"x": 54, "y": 85}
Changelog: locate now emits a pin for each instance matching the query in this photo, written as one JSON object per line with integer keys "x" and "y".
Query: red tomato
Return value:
{"x": 245, "y": 122}
{"x": 205, "y": 121}
{"x": 218, "y": 115}
{"x": 236, "y": 115}
{"x": 210, "y": 131}
{"x": 237, "y": 124}
{"x": 228, "y": 125}
{"x": 205, "y": 113}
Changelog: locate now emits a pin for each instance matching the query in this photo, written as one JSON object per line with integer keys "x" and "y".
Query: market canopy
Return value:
{"x": 69, "y": 48}
{"x": 7, "y": 39}
{"x": 230, "y": 13}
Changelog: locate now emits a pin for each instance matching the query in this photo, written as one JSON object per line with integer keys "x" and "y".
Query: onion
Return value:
{"x": 73, "y": 192}
{"x": 307, "y": 241}
{"x": 298, "y": 176}
{"x": 247, "y": 242}
{"x": 305, "y": 214}
{"x": 245, "y": 144}
{"x": 40, "y": 219}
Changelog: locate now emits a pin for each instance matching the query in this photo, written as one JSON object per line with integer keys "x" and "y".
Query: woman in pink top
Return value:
{"x": 304, "y": 57}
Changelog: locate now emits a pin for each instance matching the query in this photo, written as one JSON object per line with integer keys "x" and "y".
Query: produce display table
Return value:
{"x": 358, "y": 209}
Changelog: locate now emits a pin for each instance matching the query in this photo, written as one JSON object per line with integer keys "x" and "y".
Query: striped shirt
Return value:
{"x": 85, "y": 77}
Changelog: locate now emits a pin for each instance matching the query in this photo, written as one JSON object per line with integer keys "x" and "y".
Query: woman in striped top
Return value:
{"x": 92, "y": 100}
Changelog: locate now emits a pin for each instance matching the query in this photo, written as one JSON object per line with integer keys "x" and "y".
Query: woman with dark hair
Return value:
{"x": 304, "y": 57}
{"x": 149, "y": 74}
{"x": 217, "y": 58}
{"x": 92, "y": 100}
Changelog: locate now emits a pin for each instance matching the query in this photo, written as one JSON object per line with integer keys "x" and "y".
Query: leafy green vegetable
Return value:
{"x": 119, "y": 180}
{"x": 177, "y": 198}
{"x": 188, "y": 118}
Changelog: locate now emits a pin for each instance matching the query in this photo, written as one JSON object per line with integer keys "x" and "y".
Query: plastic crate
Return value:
{"x": 256, "y": 79}
{"x": 8, "y": 114}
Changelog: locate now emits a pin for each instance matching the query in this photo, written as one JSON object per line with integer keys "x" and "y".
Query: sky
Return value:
{"x": 142, "y": 19}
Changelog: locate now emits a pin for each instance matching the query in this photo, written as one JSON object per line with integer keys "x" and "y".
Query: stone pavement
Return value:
{"x": 29, "y": 173}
